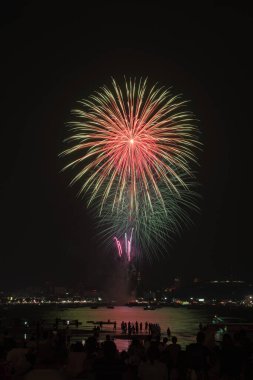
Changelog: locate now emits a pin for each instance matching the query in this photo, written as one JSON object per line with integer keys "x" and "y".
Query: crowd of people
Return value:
{"x": 150, "y": 358}
{"x": 136, "y": 327}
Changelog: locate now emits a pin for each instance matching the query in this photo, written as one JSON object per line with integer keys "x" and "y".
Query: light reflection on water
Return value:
{"x": 182, "y": 322}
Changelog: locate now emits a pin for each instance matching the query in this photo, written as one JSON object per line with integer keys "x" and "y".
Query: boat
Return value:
{"x": 110, "y": 307}
{"x": 94, "y": 307}
{"x": 149, "y": 307}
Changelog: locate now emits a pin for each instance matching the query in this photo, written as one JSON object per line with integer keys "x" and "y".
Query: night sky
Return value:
{"x": 53, "y": 56}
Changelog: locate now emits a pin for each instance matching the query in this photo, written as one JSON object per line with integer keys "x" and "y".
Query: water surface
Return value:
{"x": 182, "y": 322}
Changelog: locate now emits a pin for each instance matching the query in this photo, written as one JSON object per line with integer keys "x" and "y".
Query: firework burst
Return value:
{"x": 132, "y": 141}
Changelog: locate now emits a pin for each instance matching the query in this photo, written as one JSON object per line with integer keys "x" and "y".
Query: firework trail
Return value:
{"x": 128, "y": 246}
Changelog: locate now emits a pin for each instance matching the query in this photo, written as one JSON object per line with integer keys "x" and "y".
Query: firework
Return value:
{"x": 131, "y": 142}
{"x": 132, "y": 150}
{"x": 128, "y": 246}
{"x": 152, "y": 231}
{"x": 119, "y": 247}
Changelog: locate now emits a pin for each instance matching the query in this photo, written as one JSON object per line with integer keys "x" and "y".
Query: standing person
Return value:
{"x": 198, "y": 357}
{"x": 231, "y": 359}
{"x": 163, "y": 345}
{"x": 152, "y": 368}
{"x": 75, "y": 360}
{"x": 174, "y": 350}
{"x": 108, "y": 365}
{"x": 168, "y": 332}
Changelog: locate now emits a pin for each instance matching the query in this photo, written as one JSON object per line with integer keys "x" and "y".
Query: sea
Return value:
{"x": 182, "y": 321}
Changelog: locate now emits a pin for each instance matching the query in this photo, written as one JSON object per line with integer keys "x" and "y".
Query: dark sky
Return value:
{"x": 52, "y": 56}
